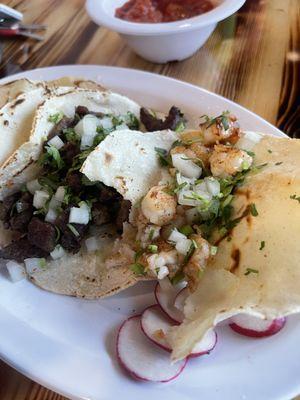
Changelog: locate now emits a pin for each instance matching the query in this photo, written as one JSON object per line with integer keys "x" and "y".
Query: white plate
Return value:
{"x": 68, "y": 344}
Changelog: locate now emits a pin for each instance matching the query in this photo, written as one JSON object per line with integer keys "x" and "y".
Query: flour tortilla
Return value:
{"x": 127, "y": 161}
{"x": 274, "y": 291}
{"x": 21, "y": 166}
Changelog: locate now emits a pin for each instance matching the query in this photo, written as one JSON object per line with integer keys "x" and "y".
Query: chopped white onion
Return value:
{"x": 248, "y": 140}
{"x": 54, "y": 203}
{"x": 183, "y": 246}
{"x": 106, "y": 123}
{"x": 58, "y": 252}
{"x": 176, "y": 236}
{"x": 40, "y": 198}
{"x": 183, "y": 179}
{"x": 51, "y": 215}
{"x": 186, "y": 167}
{"x": 92, "y": 244}
{"x": 16, "y": 271}
{"x": 87, "y": 129}
{"x": 213, "y": 186}
{"x": 192, "y": 215}
{"x": 185, "y": 198}
{"x": 121, "y": 127}
{"x": 33, "y": 186}
{"x": 60, "y": 193}
{"x": 56, "y": 142}
{"x": 150, "y": 233}
{"x": 34, "y": 264}
{"x": 163, "y": 272}
{"x": 79, "y": 215}
{"x": 202, "y": 191}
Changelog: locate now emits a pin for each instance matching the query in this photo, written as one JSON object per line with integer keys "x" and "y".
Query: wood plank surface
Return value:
{"x": 253, "y": 58}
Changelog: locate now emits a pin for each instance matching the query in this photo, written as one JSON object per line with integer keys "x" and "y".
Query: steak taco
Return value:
{"x": 58, "y": 219}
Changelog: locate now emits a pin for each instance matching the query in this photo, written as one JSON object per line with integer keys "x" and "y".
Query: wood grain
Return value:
{"x": 253, "y": 58}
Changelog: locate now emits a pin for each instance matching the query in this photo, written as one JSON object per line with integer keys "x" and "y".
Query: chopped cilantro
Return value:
{"x": 153, "y": 248}
{"x": 295, "y": 197}
{"x": 279, "y": 163}
{"x": 253, "y": 210}
{"x": 51, "y": 157}
{"x": 180, "y": 126}
{"x": 71, "y": 135}
{"x": 42, "y": 263}
{"x": 164, "y": 157}
{"x": 73, "y": 230}
{"x": 138, "y": 255}
{"x": 138, "y": 269}
{"x": 245, "y": 165}
{"x": 178, "y": 277}
{"x": 190, "y": 252}
{"x": 270, "y": 151}
{"x": 186, "y": 230}
{"x": 151, "y": 234}
{"x": 221, "y": 119}
{"x": 213, "y": 250}
{"x": 262, "y": 245}
{"x": 179, "y": 187}
{"x": 99, "y": 138}
{"x": 57, "y": 234}
{"x": 56, "y": 118}
{"x": 131, "y": 121}
{"x": 251, "y": 271}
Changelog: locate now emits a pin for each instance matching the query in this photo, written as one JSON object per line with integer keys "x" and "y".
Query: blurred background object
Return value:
{"x": 11, "y": 25}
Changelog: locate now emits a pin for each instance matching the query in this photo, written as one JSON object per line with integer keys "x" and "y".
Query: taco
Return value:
{"x": 223, "y": 217}
{"x": 59, "y": 218}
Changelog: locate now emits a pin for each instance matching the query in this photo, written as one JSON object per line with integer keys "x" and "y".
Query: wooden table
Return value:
{"x": 252, "y": 58}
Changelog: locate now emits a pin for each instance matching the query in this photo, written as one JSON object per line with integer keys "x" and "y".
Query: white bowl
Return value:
{"x": 162, "y": 42}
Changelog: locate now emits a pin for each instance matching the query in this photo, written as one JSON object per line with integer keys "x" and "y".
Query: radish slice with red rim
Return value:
{"x": 141, "y": 359}
{"x": 156, "y": 325}
{"x": 256, "y": 327}
{"x": 165, "y": 300}
{"x": 181, "y": 298}
{"x": 206, "y": 344}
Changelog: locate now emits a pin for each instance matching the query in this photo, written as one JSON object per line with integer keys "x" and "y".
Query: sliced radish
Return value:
{"x": 142, "y": 360}
{"x": 181, "y": 298}
{"x": 165, "y": 300}
{"x": 206, "y": 344}
{"x": 249, "y": 325}
{"x": 156, "y": 325}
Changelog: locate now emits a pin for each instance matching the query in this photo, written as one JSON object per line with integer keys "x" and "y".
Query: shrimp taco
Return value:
{"x": 220, "y": 217}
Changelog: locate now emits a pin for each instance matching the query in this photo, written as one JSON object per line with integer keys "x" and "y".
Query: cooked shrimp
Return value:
{"x": 158, "y": 263}
{"x": 201, "y": 152}
{"x": 197, "y": 262}
{"x": 216, "y": 132}
{"x": 183, "y": 150}
{"x": 226, "y": 161}
{"x": 158, "y": 206}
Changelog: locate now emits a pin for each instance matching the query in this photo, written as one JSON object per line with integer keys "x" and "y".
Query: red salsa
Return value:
{"x": 162, "y": 10}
